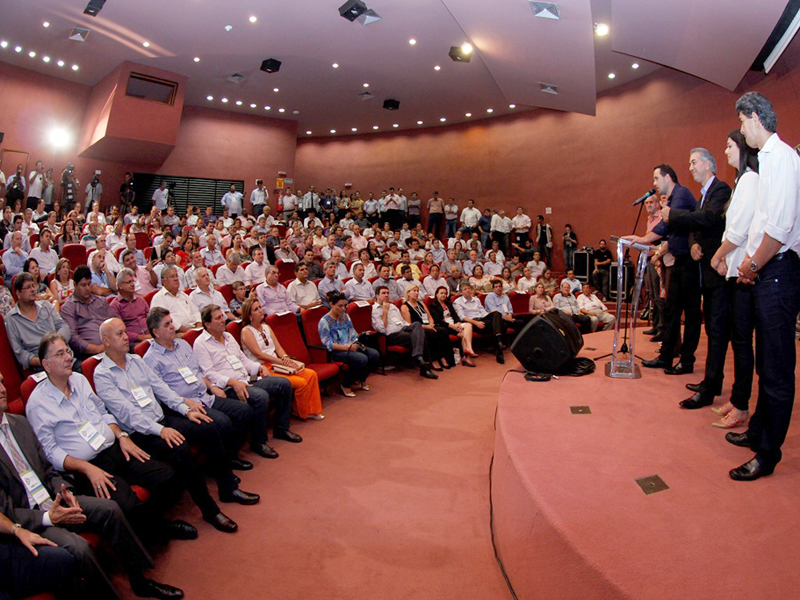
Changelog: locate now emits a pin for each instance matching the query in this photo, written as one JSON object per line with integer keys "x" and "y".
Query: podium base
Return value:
{"x": 624, "y": 371}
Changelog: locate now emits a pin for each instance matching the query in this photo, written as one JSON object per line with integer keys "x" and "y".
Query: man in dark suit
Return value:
{"x": 35, "y": 496}
{"x": 683, "y": 291}
{"x": 705, "y": 227}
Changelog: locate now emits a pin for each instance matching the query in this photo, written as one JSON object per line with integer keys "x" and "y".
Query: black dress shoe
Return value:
{"x": 180, "y": 530}
{"x": 426, "y": 373}
{"x": 500, "y": 358}
{"x": 264, "y": 450}
{"x": 238, "y": 464}
{"x": 693, "y": 387}
{"x": 739, "y": 439}
{"x": 285, "y": 434}
{"x": 222, "y": 523}
{"x": 240, "y": 497}
{"x": 433, "y": 367}
{"x": 652, "y": 331}
{"x": 657, "y": 338}
{"x": 147, "y": 588}
{"x": 237, "y": 480}
{"x": 751, "y": 470}
{"x": 697, "y": 400}
{"x": 679, "y": 369}
{"x": 656, "y": 363}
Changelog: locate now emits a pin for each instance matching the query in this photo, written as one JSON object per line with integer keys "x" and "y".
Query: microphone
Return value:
{"x": 644, "y": 197}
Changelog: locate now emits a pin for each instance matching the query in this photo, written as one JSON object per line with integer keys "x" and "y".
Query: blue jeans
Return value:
{"x": 569, "y": 254}
{"x": 450, "y": 226}
{"x": 777, "y": 302}
{"x": 360, "y": 364}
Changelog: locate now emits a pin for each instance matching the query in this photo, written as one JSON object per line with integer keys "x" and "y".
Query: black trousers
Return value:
{"x": 413, "y": 337}
{"x": 741, "y": 321}
{"x": 435, "y": 224}
{"x": 683, "y": 298}
{"x": 22, "y": 574}
{"x": 494, "y": 327}
{"x": 715, "y": 313}
{"x": 443, "y": 346}
{"x": 267, "y": 390}
{"x": 240, "y": 416}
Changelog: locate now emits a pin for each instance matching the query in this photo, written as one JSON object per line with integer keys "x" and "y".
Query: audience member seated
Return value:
{"x": 591, "y": 306}
{"x": 365, "y": 261}
{"x": 358, "y": 288}
{"x": 340, "y": 338}
{"x": 413, "y": 311}
{"x": 197, "y": 263}
{"x": 433, "y": 281}
{"x": 540, "y": 302}
{"x": 301, "y": 291}
{"x": 202, "y": 296}
{"x": 14, "y": 258}
{"x": 174, "y": 362}
{"x": 79, "y": 436}
{"x": 386, "y": 319}
{"x": 494, "y": 266}
{"x": 184, "y": 309}
{"x": 285, "y": 253}
{"x": 260, "y": 344}
{"x": 256, "y": 272}
{"x": 239, "y": 296}
{"x": 170, "y": 260}
{"x": 231, "y": 271}
{"x": 134, "y": 396}
{"x": 130, "y": 308}
{"x": 104, "y": 282}
{"x": 273, "y": 296}
{"x": 62, "y": 285}
{"x": 145, "y": 277}
{"x": 406, "y": 279}
{"x": 406, "y": 261}
{"x": 329, "y": 283}
{"x": 470, "y": 310}
{"x": 29, "y": 321}
{"x": 312, "y": 263}
{"x": 211, "y": 254}
{"x": 509, "y": 285}
{"x": 42, "y": 291}
{"x": 83, "y": 312}
{"x": 470, "y": 264}
{"x": 537, "y": 265}
{"x": 481, "y": 282}
{"x": 385, "y": 279}
{"x": 225, "y": 366}
{"x": 574, "y": 284}
{"x": 568, "y": 304}
{"x": 130, "y": 245}
{"x": 499, "y": 302}
{"x": 44, "y": 254}
{"x": 446, "y": 318}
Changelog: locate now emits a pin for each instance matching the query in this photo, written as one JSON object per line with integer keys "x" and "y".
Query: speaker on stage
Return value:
{"x": 583, "y": 265}
{"x": 547, "y": 343}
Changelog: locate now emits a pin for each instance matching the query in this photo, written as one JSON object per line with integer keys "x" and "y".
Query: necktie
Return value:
{"x": 20, "y": 464}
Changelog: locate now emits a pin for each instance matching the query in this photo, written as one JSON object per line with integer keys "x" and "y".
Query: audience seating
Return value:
{"x": 235, "y": 329}
{"x": 75, "y": 253}
{"x": 12, "y": 378}
{"x": 148, "y": 252}
{"x": 226, "y": 291}
{"x": 285, "y": 270}
{"x": 520, "y": 303}
{"x": 191, "y": 335}
{"x": 142, "y": 240}
{"x": 149, "y": 296}
{"x": 215, "y": 268}
{"x": 142, "y": 347}
{"x": 310, "y": 319}
{"x": 287, "y": 331}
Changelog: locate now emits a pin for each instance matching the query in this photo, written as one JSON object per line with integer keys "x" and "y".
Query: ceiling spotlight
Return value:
{"x": 46, "y": 24}
{"x": 146, "y": 44}
{"x": 17, "y": 48}
{"x": 366, "y": 85}
{"x": 412, "y": 41}
{"x": 59, "y": 138}
{"x": 253, "y": 19}
{"x": 611, "y": 75}
{"x": 32, "y": 54}
{"x": 276, "y": 90}
{"x": 437, "y": 68}
{"x": 352, "y": 9}
{"x": 4, "y": 44}
{"x": 238, "y": 103}
{"x": 419, "y": 122}
{"x": 458, "y": 54}
{"x": 635, "y": 66}
{"x": 60, "y": 63}
{"x": 295, "y": 112}
{"x": 252, "y": 105}
{"x": 443, "y": 119}
{"x": 308, "y": 132}
{"x": 281, "y": 110}
{"x": 228, "y": 28}
{"x": 46, "y": 59}
{"x": 209, "y": 98}
{"x": 196, "y": 59}
{"x": 354, "y": 129}
{"x": 512, "y": 106}
{"x": 601, "y": 29}
{"x": 93, "y": 7}
{"x": 468, "y": 115}
{"x": 267, "y": 108}
{"x": 466, "y": 48}
{"x": 489, "y": 110}
{"x": 225, "y": 100}
{"x": 270, "y": 65}
{"x": 395, "y": 125}
{"x": 374, "y": 126}
{"x": 369, "y": 17}
{"x": 333, "y": 131}
{"x": 335, "y": 65}
{"x": 75, "y": 67}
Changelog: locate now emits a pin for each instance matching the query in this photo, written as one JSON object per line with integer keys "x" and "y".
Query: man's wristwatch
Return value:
{"x": 753, "y": 266}
{"x": 123, "y": 435}
{"x": 15, "y": 527}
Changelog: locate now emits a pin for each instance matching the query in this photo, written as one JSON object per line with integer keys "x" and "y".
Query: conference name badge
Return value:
{"x": 34, "y": 486}
{"x": 187, "y": 375}
{"x": 234, "y": 361}
{"x": 141, "y": 397}
{"x": 91, "y": 436}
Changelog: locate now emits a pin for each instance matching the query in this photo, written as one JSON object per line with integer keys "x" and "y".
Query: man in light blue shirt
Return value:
{"x": 498, "y": 302}
{"x": 469, "y": 309}
{"x": 14, "y": 258}
{"x": 233, "y": 201}
{"x": 329, "y": 283}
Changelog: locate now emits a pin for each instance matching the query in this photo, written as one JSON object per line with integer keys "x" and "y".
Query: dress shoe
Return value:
{"x": 697, "y": 400}
{"x": 739, "y": 439}
{"x": 424, "y": 372}
{"x": 237, "y": 480}
{"x": 433, "y": 367}
{"x": 180, "y": 530}
{"x": 657, "y": 338}
{"x": 644, "y": 315}
{"x": 147, "y": 588}
{"x": 467, "y": 362}
{"x": 500, "y": 358}
{"x": 238, "y": 464}
{"x": 222, "y": 523}
{"x": 348, "y": 392}
{"x": 679, "y": 369}
{"x": 751, "y": 470}
{"x": 656, "y": 363}
{"x": 240, "y": 497}
{"x": 652, "y": 331}
{"x": 285, "y": 434}
{"x": 264, "y": 450}
{"x": 693, "y": 387}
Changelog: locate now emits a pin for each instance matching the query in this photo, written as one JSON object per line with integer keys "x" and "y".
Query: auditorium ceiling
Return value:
{"x": 521, "y": 54}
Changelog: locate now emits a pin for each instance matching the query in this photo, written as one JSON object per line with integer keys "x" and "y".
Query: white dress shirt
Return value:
{"x": 184, "y": 312}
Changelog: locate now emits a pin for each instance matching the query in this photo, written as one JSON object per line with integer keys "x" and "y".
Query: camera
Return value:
{"x": 95, "y": 180}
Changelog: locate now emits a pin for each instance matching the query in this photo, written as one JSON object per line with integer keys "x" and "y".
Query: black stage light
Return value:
{"x": 271, "y": 65}
{"x": 390, "y": 104}
{"x": 93, "y": 7}
{"x": 352, "y": 9}
{"x": 458, "y": 55}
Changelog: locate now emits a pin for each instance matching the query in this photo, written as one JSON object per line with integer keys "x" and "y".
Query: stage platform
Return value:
{"x": 570, "y": 520}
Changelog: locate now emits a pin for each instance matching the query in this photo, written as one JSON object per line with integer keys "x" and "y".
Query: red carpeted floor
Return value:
{"x": 387, "y": 498}
{"x": 571, "y": 522}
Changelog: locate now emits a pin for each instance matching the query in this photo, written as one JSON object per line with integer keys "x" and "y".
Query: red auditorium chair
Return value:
{"x": 235, "y": 329}
{"x": 142, "y": 347}
{"x": 287, "y": 331}
{"x": 191, "y": 335}
{"x": 226, "y": 291}
{"x": 142, "y": 240}
{"x": 285, "y": 270}
{"x": 215, "y": 268}
{"x": 520, "y": 303}
{"x": 12, "y": 377}
{"x": 149, "y": 297}
{"x": 75, "y": 253}
{"x": 319, "y": 353}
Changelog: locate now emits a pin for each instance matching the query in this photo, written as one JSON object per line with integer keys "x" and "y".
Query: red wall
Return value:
{"x": 588, "y": 169}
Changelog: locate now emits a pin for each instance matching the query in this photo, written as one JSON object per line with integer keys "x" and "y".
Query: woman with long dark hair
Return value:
{"x": 726, "y": 260}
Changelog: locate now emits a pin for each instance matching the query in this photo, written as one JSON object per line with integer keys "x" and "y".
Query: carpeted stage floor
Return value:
{"x": 388, "y": 497}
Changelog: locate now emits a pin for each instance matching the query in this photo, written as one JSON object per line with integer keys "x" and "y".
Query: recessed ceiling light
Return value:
{"x": 466, "y": 48}
{"x": 419, "y": 122}
{"x": 436, "y": 68}
{"x": 489, "y": 110}
{"x": 238, "y": 103}
{"x": 395, "y": 125}
{"x": 75, "y": 67}
{"x": 229, "y": 28}
{"x": 17, "y": 48}
{"x": 335, "y": 65}
{"x": 443, "y": 119}
{"x": 611, "y": 75}
{"x": 46, "y": 59}
{"x": 354, "y": 129}
{"x": 32, "y": 54}
{"x": 412, "y": 41}
{"x": 333, "y": 131}
{"x": 4, "y": 44}
{"x": 468, "y": 115}
{"x": 366, "y": 85}
{"x": 225, "y": 100}
{"x": 374, "y": 126}
{"x": 635, "y": 66}
{"x": 267, "y": 108}
{"x": 281, "y": 110}
{"x": 209, "y": 98}
{"x": 196, "y": 59}
{"x": 60, "y": 63}
{"x": 46, "y": 24}
{"x": 146, "y": 44}
{"x": 601, "y": 29}
{"x": 295, "y": 112}
{"x": 252, "y": 105}
{"x": 512, "y": 106}
{"x": 275, "y": 90}
{"x": 253, "y": 19}
{"x": 308, "y": 132}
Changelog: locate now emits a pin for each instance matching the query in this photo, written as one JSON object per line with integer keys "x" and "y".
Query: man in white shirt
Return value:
{"x": 597, "y": 311}
{"x": 170, "y": 260}
{"x": 285, "y": 253}
{"x": 204, "y": 295}
{"x": 116, "y": 239}
{"x": 358, "y": 288}
{"x": 289, "y": 203}
{"x": 232, "y": 200}
{"x": 211, "y": 254}
{"x": 493, "y": 266}
{"x": 311, "y": 222}
{"x": 470, "y": 217}
{"x": 415, "y": 253}
{"x": 36, "y": 181}
{"x": 331, "y": 248}
{"x": 231, "y": 271}
{"x": 310, "y": 201}
{"x": 44, "y": 254}
{"x": 538, "y": 266}
{"x": 521, "y": 226}
{"x": 96, "y": 214}
{"x": 185, "y": 313}
{"x": 255, "y": 273}
{"x": 28, "y": 226}
{"x": 302, "y": 291}
{"x": 160, "y": 197}
{"x": 197, "y": 263}
{"x": 469, "y": 309}
{"x": 258, "y": 197}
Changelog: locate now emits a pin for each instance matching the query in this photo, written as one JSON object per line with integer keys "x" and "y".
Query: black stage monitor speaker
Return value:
{"x": 547, "y": 343}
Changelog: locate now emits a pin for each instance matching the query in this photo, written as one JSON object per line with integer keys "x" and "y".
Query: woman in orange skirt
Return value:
{"x": 260, "y": 344}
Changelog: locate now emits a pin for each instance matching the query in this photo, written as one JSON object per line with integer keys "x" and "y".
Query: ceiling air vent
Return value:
{"x": 79, "y": 34}
{"x": 548, "y": 88}
{"x": 545, "y": 10}
{"x": 237, "y": 78}
{"x": 366, "y": 96}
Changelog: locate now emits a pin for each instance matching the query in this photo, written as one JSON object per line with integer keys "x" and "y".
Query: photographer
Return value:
{"x": 36, "y": 181}
{"x": 69, "y": 184}
{"x": 94, "y": 192}
{"x": 161, "y": 196}
{"x": 127, "y": 195}
{"x": 15, "y": 186}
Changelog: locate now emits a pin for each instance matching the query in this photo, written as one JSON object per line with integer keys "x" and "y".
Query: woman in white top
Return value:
{"x": 62, "y": 285}
{"x": 726, "y": 261}
{"x": 261, "y": 345}
{"x": 482, "y": 283}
